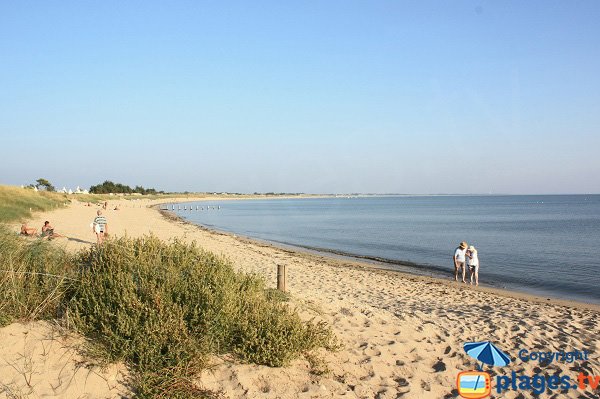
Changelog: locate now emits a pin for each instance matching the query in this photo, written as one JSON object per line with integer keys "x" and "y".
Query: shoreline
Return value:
{"x": 334, "y": 259}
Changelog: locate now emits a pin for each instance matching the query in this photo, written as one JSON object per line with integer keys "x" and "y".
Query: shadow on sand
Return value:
{"x": 78, "y": 240}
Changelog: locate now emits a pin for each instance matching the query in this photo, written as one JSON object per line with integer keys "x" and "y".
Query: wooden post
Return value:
{"x": 281, "y": 277}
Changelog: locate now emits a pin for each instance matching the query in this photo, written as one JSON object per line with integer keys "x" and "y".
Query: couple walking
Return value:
{"x": 466, "y": 256}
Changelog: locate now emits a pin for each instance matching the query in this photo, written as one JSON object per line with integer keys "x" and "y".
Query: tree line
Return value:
{"x": 107, "y": 187}
{"x": 117, "y": 188}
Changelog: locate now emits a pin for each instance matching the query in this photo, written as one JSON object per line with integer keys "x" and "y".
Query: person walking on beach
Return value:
{"x": 473, "y": 262}
{"x": 100, "y": 226}
{"x": 459, "y": 261}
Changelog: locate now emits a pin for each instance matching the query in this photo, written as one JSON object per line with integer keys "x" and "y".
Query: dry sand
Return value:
{"x": 402, "y": 334}
{"x": 40, "y": 360}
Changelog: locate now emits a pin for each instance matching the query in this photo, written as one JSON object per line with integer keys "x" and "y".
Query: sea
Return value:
{"x": 540, "y": 244}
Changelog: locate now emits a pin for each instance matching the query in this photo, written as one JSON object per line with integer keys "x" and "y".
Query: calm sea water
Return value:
{"x": 547, "y": 245}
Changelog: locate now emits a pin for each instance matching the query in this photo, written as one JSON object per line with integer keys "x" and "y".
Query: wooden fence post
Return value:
{"x": 281, "y": 277}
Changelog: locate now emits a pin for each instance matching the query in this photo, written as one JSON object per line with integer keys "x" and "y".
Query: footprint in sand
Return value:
{"x": 368, "y": 376}
{"x": 401, "y": 381}
{"x": 346, "y": 312}
{"x": 452, "y": 394}
{"x": 366, "y": 360}
{"x": 372, "y": 352}
{"x": 439, "y": 366}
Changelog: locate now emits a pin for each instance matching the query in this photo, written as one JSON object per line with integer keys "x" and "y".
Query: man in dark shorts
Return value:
{"x": 100, "y": 226}
{"x": 48, "y": 231}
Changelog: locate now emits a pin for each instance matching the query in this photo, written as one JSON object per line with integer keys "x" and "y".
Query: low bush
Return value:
{"x": 181, "y": 289}
{"x": 167, "y": 306}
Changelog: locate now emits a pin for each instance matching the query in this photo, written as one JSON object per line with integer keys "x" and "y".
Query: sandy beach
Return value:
{"x": 402, "y": 335}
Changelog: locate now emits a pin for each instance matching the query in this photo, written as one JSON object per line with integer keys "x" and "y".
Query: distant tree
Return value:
{"x": 44, "y": 184}
{"x": 117, "y": 188}
{"x": 105, "y": 188}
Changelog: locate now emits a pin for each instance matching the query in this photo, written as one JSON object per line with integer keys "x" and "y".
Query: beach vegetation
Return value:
{"x": 17, "y": 203}
{"x": 164, "y": 308}
{"x": 34, "y": 277}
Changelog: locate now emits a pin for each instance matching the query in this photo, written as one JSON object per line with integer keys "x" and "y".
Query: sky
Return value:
{"x": 498, "y": 97}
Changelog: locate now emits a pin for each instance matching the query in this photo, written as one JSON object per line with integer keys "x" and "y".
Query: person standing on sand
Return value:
{"x": 473, "y": 262}
{"x": 459, "y": 261}
{"x": 100, "y": 226}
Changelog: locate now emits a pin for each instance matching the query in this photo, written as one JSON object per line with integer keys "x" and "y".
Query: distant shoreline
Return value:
{"x": 378, "y": 265}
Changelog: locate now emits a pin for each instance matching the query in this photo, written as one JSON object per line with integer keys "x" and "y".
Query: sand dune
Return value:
{"x": 40, "y": 360}
{"x": 402, "y": 335}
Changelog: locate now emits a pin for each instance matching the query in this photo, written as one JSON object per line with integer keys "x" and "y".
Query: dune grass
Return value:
{"x": 161, "y": 307}
{"x": 16, "y": 202}
{"x": 34, "y": 277}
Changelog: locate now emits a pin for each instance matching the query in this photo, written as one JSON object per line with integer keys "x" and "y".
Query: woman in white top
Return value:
{"x": 459, "y": 260}
{"x": 473, "y": 262}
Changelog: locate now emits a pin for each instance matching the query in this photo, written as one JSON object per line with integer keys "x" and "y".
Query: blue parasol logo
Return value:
{"x": 477, "y": 384}
{"x": 487, "y": 353}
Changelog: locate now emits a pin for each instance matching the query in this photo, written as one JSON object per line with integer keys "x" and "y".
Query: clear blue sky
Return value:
{"x": 307, "y": 96}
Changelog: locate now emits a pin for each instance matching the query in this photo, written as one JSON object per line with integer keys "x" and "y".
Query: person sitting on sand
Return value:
{"x": 100, "y": 226}
{"x": 473, "y": 262}
{"x": 459, "y": 261}
{"x": 27, "y": 231}
{"x": 48, "y": 231}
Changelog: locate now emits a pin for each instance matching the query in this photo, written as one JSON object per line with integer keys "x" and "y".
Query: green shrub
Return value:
{"x": 271, "y": 334}
{"x": 166, "y": 306}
